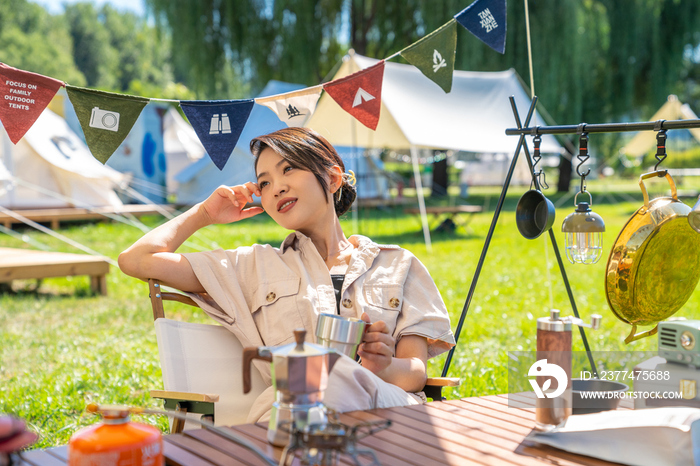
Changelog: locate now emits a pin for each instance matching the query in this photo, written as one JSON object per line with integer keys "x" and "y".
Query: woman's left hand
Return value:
{"x": 377, "y": 347}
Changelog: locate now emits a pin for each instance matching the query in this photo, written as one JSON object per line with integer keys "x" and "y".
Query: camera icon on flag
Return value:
{"x": 104, "y": 119}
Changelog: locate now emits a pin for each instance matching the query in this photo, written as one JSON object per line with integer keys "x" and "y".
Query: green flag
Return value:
{"x": 434, "y": 55}
{"x": 106, "y": 118}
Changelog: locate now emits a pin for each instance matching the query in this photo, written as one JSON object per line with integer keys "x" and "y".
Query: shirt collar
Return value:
{"x": 363, "y": 244}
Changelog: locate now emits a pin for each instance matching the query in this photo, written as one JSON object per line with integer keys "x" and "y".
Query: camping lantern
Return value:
{"x": 583, "y": 228}
{"x": 584, "y": 234}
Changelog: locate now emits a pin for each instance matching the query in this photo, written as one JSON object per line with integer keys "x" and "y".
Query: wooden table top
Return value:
{"x": 470, "y": 431}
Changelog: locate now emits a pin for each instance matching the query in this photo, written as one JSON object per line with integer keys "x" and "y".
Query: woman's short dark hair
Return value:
{"x": 307, "y": 150}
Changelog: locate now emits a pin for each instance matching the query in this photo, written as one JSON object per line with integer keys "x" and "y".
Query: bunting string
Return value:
{"x": 106, "y": 118}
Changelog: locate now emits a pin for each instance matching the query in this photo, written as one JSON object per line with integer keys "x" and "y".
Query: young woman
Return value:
{"x": 262, "y": 293}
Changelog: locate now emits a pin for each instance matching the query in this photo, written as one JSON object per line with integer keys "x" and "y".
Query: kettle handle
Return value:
{"x": 250, "y": 353}
{"x": 636, "y": 336}
{"x": 674, "y": 193}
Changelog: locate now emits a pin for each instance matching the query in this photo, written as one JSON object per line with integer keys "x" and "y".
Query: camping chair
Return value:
{"x": 202, "y": 367}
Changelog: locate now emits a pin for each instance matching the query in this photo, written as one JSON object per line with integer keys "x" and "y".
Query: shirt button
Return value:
{"x": 347, "y": 303}
{"x": 271, "y": 297}
{"x": 394, "y": 302}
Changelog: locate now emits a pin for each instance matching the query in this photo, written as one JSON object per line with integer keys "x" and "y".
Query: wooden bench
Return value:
{"x": 455, "y": 214}
{"x": 23, "y": 264}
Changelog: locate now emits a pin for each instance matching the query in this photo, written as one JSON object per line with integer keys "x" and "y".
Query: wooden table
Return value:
{"x": 471, "y": 431}
{"x": 460, "y": 215}
{"x": 23, "y": 264}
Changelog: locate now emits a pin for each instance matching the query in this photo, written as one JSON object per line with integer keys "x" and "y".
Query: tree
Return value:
{"x": 594, "y": 60}
{"x": 33, "y": 40}
{"x": 92, "y": 50}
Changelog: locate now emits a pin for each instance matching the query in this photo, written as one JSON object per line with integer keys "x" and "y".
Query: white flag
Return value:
{"x": 293, "y": 108}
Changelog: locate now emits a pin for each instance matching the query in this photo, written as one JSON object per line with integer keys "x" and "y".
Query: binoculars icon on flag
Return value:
{"x": 220, "y": 124}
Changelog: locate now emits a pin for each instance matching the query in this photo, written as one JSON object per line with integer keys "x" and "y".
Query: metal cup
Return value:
{"x": 344, "y": 334}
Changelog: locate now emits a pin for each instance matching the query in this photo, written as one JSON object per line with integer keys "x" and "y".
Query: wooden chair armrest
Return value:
{"x": 185, "y": 396}
{"x": 443, "y": 381}
{"x": 180, "y": 298}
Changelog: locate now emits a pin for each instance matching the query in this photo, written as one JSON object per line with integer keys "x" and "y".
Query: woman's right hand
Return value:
{"x": 226, "y": 204}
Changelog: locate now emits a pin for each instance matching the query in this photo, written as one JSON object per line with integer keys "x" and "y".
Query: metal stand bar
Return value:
{"x": 607, "y": 127}
{"x": 485, "y": 249}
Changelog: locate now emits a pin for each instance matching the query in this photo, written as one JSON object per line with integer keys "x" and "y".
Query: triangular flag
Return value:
{"x": 434, "y": 55}
{"x": 218, "y": 124}
{"x": 105, "y": 117}
{"x": 360, "y": 94}
{"x": 486, "y": 19}
{"x": 293, "y": 108}
{"x": 23, "y": 96}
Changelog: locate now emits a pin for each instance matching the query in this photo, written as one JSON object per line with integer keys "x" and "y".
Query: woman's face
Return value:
{"x": 291, "y": 196}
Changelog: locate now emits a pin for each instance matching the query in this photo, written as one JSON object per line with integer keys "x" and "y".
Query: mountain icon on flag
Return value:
{"x": 360, "y": 94}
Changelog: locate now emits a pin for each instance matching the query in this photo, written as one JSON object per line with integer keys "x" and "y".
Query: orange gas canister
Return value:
{"x": 116, "y": 442}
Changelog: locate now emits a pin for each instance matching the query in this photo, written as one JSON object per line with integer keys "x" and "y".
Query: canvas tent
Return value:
{"x": 672, "y": 109}
{"x": 417, "y": 114}
{"x": 197, "y": 181}
{"x": 52, "y": 157}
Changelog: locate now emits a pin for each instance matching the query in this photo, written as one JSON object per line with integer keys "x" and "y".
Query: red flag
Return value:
{"x": 360, "y": 94}
{"x": 23, "y": 96}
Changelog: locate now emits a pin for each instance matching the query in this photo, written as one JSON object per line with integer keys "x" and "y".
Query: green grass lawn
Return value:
{"x": 62, "y": 347}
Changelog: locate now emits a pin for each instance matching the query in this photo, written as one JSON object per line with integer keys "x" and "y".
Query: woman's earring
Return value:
{"x": 340, "y": 193}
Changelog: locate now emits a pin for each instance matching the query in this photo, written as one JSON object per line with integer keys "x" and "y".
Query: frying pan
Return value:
{"x": 654, "y": 264}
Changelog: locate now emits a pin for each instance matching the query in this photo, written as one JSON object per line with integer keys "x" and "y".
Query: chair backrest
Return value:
{"x": 203, "y": 358}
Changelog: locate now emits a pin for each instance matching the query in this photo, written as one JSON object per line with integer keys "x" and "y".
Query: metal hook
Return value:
{"x": 582, "y": 154}
{"x": 660, "y": 147}
{"x": 536, "y": 158}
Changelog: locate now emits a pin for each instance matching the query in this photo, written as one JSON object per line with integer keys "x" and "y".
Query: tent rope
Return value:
{"x": 24, "y": 238}
{"x": 127, "y": 220}
{"x": 137, "y": 195}
{"x": 56, "y": 235}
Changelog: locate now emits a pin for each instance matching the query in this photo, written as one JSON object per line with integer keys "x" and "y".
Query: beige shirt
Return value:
{"x": 262, "y": 293}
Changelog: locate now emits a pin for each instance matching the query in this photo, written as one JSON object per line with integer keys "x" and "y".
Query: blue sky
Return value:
{"x": 56, "y": 6}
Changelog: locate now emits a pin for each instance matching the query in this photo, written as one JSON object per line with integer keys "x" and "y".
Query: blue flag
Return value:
{"x": 486, "y": 19}
{"x": 218, "y": 124}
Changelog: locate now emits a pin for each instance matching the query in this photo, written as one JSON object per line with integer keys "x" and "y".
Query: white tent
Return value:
{"x": 53, "y": 158}
{"x": 672, "y": 109}
{"x": 416, "y": 113}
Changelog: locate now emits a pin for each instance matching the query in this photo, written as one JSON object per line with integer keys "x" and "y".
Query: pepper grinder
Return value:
{"x": 554, "y": 360}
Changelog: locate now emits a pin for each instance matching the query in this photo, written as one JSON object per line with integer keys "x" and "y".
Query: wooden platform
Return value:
{"x": 23, "y": 264}
{"x": 58, "y": 215}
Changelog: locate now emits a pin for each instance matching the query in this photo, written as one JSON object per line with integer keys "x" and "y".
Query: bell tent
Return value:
{"x": 51, "y": 167}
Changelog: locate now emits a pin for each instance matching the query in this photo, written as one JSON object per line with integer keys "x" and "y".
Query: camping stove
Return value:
{"x": 322, "y": 444}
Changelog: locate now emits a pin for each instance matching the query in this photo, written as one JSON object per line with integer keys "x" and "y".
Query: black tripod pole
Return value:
{"x": 485, "y": 249}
